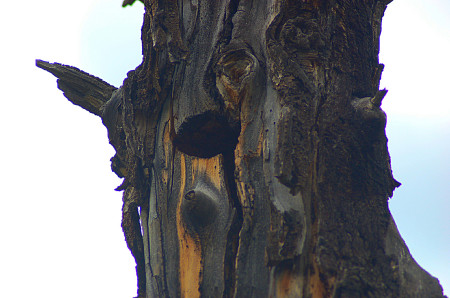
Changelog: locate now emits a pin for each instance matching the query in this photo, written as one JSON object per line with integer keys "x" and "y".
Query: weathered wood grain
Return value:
{"x": 79, "y": 87}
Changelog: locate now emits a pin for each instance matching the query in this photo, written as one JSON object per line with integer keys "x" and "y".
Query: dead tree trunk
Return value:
{"x": 254, "y": 152}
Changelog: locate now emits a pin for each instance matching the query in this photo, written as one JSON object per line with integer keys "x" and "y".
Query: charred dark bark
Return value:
{"x": 254, "y": 153}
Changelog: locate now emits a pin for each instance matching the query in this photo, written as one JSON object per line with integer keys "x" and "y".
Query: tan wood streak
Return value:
{"x": 284, "y": 284}
{"x": 209, "y": 167}
{"x": 191, "y": 265}
{"x": 190, "y": 249}
{"x": 167, "y": 155}
{"x": 316, "y": 286}
{"x": 320, "y": 288}
{"x": 241, "y": 157}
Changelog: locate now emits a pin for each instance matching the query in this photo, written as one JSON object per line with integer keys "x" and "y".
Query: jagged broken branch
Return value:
{"x": 79, "y": 87}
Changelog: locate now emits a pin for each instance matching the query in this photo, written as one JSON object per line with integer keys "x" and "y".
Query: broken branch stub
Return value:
{"x": 105, "y": 100}
{"x": 79, "y": 87}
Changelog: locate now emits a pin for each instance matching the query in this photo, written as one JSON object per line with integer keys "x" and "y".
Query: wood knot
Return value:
{"x": 235, "y": 72}
{"x": 303, "y": 34}
{"x": 199, "y": 210}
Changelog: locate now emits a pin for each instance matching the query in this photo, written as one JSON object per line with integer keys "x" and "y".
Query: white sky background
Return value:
{"x": 60, "y": 217}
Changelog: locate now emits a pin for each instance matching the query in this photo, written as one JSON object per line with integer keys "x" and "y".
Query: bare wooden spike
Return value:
{"x": 79, "y": 87}
{"x": 378, "y": 98}
{"x": 128, "y": 2}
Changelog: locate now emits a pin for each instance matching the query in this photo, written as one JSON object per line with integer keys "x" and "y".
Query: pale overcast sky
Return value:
{"x": 60, "y": 217}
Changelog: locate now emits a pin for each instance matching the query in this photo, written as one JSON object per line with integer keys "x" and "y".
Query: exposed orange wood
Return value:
{"x": 284, "y": 284}
{"x": 190, "y": 248}
{"x": 316, "y": 286}
{"x": 167, "y": 150}
{"x": 320, "y": 288}
{"x": 288, "y": 284}
{"x": 241, "y": 157}
{"x": 209, "y": 167}
{"x": 191, "y": 265}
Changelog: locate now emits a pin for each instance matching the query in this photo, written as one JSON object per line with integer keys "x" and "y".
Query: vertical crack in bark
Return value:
{"x": 169, "y": 194}
{"x": 169, "y": 190}
{"x": 230, "y": 261}
{"x": 228, "y": 21}
{"x": 144, "y": 211}
{"x": 235, "y": 227}
{"x": 165, "y": 287}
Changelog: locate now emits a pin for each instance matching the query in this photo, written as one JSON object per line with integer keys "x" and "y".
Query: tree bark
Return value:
{"x": 254, "y": 153}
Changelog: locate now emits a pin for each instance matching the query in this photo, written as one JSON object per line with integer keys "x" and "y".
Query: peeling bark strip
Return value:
{"x": 253, "y": 151}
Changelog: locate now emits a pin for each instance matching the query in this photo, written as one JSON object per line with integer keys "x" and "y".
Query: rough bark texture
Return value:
{"x": 254, "y": 152}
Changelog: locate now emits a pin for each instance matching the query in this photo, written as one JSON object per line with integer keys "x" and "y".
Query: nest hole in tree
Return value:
{"x": 207, "y": 135}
